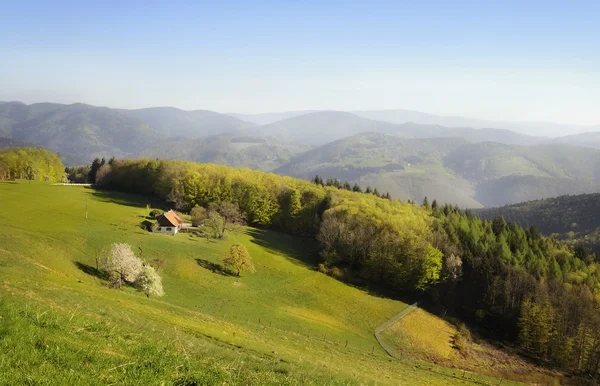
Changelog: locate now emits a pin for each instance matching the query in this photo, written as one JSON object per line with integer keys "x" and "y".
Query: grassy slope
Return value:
{"x": 59, "y": 324}
{"x": 426, "y": 336}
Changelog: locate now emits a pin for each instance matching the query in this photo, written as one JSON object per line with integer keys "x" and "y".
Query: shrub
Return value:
{"x": 462, "y": 338}
{"x": 336, "y": 273}
{"x": 149, "y": 282}
{"x": 154, "y": 213}
{"x": 323, "y": 268}
{"x": 199, "y": 215}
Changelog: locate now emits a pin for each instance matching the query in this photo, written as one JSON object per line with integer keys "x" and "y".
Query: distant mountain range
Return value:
{"x": 399, "y": 116}
{"x": 472, "y": 167}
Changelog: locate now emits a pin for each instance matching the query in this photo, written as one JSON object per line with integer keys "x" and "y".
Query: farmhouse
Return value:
{"x": 169, "y": 222}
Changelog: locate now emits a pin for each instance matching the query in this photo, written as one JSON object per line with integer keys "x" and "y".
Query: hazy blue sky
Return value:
{"x": 521, "y": 60}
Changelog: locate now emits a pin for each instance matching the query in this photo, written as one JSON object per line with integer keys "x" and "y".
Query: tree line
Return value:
{"x": 34, "y": 164}
{"x": 536, "y": 290}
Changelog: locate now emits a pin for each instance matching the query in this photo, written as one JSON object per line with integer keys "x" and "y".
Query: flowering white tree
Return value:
{"x": 149, "y": 282}
{"x": 122, "y": 264}
{"x": 125, "y": 267}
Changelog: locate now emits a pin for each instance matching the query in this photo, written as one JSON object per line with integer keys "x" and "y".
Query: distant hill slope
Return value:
{"x": 531, "y": 128}
{"x": 452, "y": 169}
{"x": 82, "y": 132}
{"x": 232, "y": 149}
{"x": 8, "y": 142}
{"x": 79, "y": 132}
{"x": 591, "y": 139}
{"x": 267, "y": 118}
{"x": 578, "y": 213}
{"x": 321, "y": 127}
{"x": 175, "y": 122}
{"x": 575, "y": 218}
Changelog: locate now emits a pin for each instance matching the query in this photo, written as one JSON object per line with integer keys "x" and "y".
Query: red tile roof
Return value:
{"x": 170, "y": 218}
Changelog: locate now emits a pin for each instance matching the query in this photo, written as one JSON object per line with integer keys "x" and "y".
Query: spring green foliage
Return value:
{"x": 31, "y": 164}
{"x": 60, "y": 325}
{"x": 77, "y": 174}
{"x": 239, "y": 259}
{"x": 149, "y": 282}
{"x": 482, "y": 270}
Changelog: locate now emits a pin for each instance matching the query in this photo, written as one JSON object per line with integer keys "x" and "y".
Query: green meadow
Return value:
{"x": 285, "y": 324}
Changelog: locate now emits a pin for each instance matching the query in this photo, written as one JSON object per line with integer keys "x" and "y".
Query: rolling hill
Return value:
{"x": 527, "y": 128}
{"x": 82, "y": 132}
{"x": 232, "y": 149}
{"x": 318, "y": 128}
{"x": 173, "y": 122}
{"x": 591, "y": 139}
{"x": 452, "y": 169}
{"x": 267, "y": 118}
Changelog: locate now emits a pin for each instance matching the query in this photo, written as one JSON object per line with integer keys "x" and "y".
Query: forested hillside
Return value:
{"x": 453, "y": 170}
{"x": 31, "y": 164}
{"x": 575, "y": 219}
{"x": 232, "y": 149}
{"x": 82, "y": 132}
{"x": 514, "y": 281}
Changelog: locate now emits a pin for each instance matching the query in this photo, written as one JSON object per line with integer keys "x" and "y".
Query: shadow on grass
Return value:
{"x": 127, "y": 199}
{"x": 300, "y": 250}
{"x": 214, "y": 267}
{"x": 147, "y": 225}
{"x": 91, "y": 270}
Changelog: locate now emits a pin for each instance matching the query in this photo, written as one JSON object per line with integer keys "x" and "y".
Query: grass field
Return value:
{"x": 285, "y": 324}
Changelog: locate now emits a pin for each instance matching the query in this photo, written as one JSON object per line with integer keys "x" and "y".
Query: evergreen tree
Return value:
{"x": 356, "y": 188}
{"x": 96, "y": 164}
{"x": 425, "y": 203}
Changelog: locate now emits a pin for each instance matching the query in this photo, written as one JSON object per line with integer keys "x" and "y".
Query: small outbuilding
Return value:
{"x": 169, "y": 222}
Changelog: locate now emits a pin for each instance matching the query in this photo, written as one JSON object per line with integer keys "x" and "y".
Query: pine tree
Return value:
{"x": 425, "y": 203}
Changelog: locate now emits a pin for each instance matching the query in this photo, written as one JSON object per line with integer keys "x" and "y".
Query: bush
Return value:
{"x": 336, "y": 273}
{"x": 199, "y": 215}
{"x": 462, "y": 338}
{"x": 149, "y": 282}
{"x": 323, "y": 269}
{"x": 154, "y": 213}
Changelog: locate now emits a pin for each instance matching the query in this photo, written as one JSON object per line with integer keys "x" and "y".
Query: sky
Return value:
{"x": 497, "y": 60}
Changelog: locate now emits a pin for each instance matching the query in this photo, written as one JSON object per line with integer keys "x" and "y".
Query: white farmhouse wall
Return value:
{"x": 168, "y": 230}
